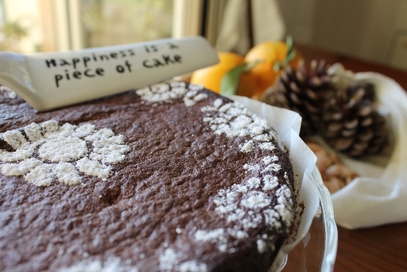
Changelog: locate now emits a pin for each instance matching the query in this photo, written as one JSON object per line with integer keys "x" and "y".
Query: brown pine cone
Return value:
{"x": 304, "y": 91}
{"x": 352, "y": 124}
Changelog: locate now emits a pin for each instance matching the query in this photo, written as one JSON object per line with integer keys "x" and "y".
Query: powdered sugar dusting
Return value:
{"x": 192, "y": 266}
{"x": 166, "y": 93}
{"x": 242, "y": 202}
{"x": 261, "y": 246}
{"x": 8, "y": 92}
{"x": 247, "y": 205}
{"x": 220, "y": 237}
{"x": 113, "y": 264}
{"x": 169, "y": 261}
{"x": 249, "y": 202}
{"x": 48, "y": 152}
{"x": 235, "y": 120}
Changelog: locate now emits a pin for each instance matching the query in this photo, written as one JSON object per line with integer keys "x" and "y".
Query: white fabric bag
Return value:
{"x": 379, "y": 195}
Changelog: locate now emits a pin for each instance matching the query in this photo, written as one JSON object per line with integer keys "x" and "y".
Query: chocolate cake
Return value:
{"x": 171, "y": 177}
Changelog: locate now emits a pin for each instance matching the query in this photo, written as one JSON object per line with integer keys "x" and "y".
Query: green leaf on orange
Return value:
{"x": 279, "y": 65}
{"x": 230, "y": 81}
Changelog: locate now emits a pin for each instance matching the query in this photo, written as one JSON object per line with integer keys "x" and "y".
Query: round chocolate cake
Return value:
{"x": 171, "y": 177}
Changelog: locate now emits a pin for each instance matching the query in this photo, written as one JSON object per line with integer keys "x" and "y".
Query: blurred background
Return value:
{"x": 373, "y": 30}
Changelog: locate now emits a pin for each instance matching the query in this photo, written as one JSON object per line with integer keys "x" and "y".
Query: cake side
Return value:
{"x": 170, "y": 177}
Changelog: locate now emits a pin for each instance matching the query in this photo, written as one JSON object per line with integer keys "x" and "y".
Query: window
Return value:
{"x": 52, "y": 25}
{"x": 110, "y": 22}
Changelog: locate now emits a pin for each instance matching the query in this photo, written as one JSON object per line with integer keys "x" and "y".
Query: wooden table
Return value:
{"x": 382, "y": 248}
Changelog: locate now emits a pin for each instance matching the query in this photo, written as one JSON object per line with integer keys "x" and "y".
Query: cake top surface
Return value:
{"x": 171, "y": 176}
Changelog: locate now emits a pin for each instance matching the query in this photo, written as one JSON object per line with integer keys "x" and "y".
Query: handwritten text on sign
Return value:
{"x": 78, "y": 68}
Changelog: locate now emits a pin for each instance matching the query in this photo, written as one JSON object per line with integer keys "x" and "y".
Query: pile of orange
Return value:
{"x": 258, "y": 68}
{"x": 211, "y": 77}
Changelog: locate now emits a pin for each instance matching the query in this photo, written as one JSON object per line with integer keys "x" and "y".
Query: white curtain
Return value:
{"x": 267, "y": 24}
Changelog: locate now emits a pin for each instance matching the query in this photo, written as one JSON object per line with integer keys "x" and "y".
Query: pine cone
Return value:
{"x": 352, "y": 124}
{"x": 304, "y": 91}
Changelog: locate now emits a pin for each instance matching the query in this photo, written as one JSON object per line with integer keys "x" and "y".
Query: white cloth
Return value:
{"x": 268, "y": 24}
{"x": 379, "y": 195}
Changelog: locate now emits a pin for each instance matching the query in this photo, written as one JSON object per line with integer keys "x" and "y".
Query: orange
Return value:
{"x": 247, "y": 85}
{"x": 211, "y": 77}
{"x": 268, "y": 53}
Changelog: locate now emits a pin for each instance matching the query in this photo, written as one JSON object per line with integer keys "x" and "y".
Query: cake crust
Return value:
{"x": 167, "y": 178}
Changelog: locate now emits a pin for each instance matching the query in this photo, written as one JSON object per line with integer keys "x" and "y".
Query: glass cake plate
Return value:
{"x": 317, "y": 250}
